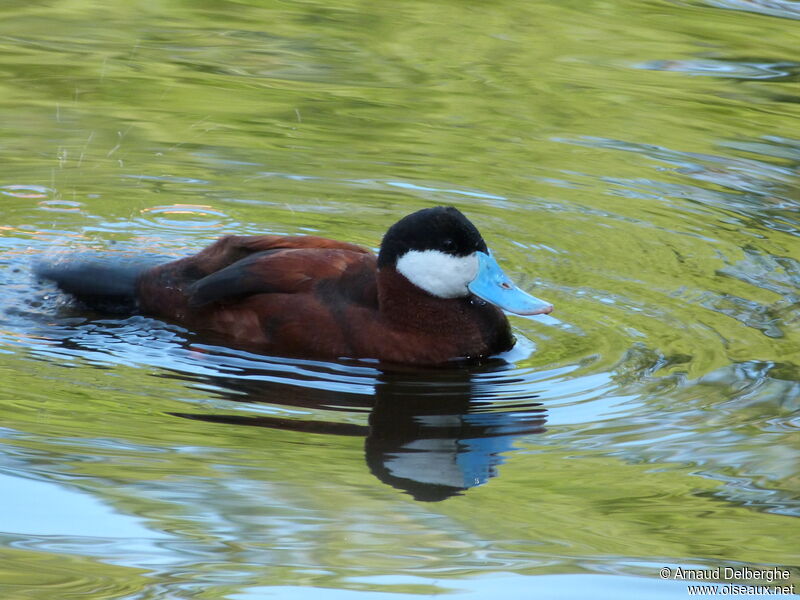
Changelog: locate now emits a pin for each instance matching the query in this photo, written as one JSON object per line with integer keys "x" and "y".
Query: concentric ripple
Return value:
{"x": 184, "y": 217}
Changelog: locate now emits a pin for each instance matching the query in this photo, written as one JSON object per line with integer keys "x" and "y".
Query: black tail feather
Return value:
{"x": 106, "y": 283}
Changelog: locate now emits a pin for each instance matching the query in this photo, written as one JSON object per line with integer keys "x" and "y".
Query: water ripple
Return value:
{"x": 732, "y": 69}
{"x": 35, "y": 192}
{"x": 182, "y": 217}
{"x": 787, "y": 9}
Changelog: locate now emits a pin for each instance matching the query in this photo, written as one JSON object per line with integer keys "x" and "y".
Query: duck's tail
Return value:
{"x": 103, "y": 282}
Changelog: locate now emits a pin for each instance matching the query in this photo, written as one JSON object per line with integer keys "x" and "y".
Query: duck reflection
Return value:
{"x": 438, "y": 442}
{"x": 433, "y": 434}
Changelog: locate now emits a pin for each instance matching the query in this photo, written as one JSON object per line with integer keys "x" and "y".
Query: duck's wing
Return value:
{"x": 329, "y": 271}
{"x": 235, "y": 267}
{"x": 232, "y": 248}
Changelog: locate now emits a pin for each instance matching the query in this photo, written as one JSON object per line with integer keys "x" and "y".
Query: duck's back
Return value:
{"x": 296, "y": 295}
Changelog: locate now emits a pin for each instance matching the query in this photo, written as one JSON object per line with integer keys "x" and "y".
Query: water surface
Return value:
{"x": 635, "y": 163}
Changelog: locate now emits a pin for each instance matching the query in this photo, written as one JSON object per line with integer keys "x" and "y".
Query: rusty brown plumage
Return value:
{"x": 311, "y": 296}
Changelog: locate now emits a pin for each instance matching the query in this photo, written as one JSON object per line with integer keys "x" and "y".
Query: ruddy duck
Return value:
{"x": 434, "y": 292}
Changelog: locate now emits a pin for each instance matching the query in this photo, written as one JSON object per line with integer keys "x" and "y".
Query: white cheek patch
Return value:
{"x": 442, "y": 275}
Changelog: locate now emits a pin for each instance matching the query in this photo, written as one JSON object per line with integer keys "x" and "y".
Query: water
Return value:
{"x": 636, "y": 164}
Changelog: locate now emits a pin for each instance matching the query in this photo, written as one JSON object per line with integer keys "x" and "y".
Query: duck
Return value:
{"x": 433, "y": 294}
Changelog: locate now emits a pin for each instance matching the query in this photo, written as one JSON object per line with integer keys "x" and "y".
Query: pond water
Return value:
{"x": 635, "y": 163}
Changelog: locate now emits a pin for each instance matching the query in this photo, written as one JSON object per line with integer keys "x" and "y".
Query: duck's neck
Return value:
{"x": 480, "y": 326}
{"x": 404, "y": 304}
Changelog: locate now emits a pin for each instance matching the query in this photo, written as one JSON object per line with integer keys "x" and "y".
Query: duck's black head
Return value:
{"x": 442, "y": 229}
{"x": 441, "y": 252}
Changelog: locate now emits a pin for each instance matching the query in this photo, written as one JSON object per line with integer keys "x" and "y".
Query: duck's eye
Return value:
{"x": 448, "y": 244}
